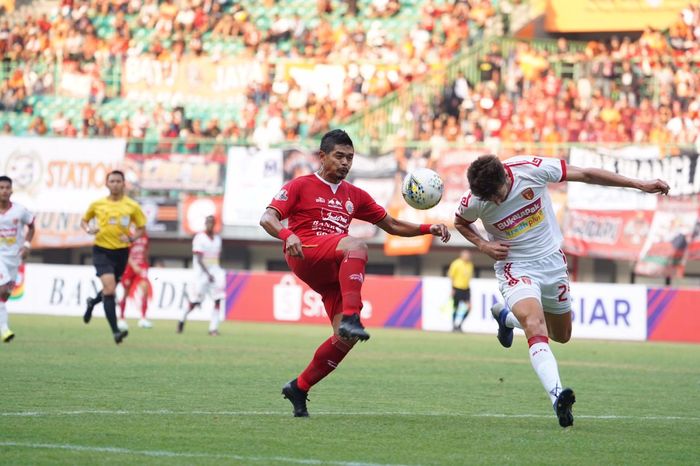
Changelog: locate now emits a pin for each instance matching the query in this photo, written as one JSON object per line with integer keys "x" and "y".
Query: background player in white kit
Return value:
{"x": 512, "y": 202}
{"x": 209, "y": 277}
{"x": 14, "y": 247}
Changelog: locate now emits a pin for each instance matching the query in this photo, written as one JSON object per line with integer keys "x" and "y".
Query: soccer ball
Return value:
{"x": 422, "y": 188}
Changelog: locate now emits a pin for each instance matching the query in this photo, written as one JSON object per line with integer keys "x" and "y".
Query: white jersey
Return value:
{"x": 12, "y": 223}
{"x": 525, "y": 220}
{"x": 209, "y": 248}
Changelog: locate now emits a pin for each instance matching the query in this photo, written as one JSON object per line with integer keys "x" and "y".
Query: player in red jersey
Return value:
{"x": 318, "y": 249}
{"x": 135, "y": 280}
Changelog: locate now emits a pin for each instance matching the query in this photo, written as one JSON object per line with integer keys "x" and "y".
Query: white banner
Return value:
{"x": 633, "y": 161}
{"x": 600, "y": 311}
{"x": 253, "y": 177}
{"x": 56, "y": 179}
{"x": 64, "y": 289}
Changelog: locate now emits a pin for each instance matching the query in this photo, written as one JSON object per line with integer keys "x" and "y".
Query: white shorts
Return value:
{"x": 203, "y": 287}
{"x": 8, "y": 271}
{"x": 546, "y": 280}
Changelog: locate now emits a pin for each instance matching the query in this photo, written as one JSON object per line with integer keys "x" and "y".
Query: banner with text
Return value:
{"x": 57, "y": 179}
{"x": 189, "y": 78}
{"x": 63, "y": 289}
{"x": 281, "y": 297}
{"x": 600, "y": 311}
{"x": 176, "y": 172}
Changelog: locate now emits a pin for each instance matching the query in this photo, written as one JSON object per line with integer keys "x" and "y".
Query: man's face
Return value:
{"x": 210, "y": 223}
{"x": 115, "y": 184}
{"x": 5, "y": 191}
{"x": 338, "y": 162}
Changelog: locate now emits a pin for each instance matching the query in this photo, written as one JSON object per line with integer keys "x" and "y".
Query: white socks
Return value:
{"x": 3, "y": 317}
{"x": 545, "y": 366}
{"x": 214, "y": 322}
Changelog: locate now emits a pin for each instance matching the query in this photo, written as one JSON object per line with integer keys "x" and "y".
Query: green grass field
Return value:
{"x": 69, "y": 395}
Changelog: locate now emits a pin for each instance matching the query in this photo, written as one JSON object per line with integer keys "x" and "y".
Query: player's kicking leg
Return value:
{"x": 351, "y": 276}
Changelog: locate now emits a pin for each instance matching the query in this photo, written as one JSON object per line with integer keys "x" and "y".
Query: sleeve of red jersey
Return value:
{"x": 286, "y": 198}
{"x": 367, "y": 208}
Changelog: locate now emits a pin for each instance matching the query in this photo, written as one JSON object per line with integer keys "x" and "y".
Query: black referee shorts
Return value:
{"x": 461, "y": 295}
{"x": 110, "y": 261}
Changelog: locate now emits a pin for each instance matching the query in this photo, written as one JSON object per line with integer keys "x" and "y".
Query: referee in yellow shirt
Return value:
{"x": 114, "y": 215}
{"x": 460, "y": 272}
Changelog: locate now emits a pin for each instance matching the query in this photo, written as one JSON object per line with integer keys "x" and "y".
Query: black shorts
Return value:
{"x": 462, "y": 295}
{"x": 110, "y": 261}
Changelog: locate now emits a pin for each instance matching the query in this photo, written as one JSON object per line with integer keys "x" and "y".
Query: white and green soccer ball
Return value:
{"x": 422, "y": 188}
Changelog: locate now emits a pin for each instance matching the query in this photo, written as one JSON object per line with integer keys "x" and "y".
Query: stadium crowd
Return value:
{"x": 623, "y": 90}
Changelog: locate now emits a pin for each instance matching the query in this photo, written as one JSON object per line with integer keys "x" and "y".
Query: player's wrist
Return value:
{"x": 27, "y": 245}
{"x": 425, "y": 228}
{"x": 285, "y": 233}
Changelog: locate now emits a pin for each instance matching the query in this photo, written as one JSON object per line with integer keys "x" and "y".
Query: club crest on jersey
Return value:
{"x": 282, "y": 195}
{"x": 335, "y": 203}
{"x": 349, "y": 207}
{"x": 528, "y": 194}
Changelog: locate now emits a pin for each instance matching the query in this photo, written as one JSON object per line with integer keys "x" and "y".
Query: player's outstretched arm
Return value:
{"x": 397, "y": 227}
{"x": 607, "y": 178}
{"x": 271, "y": 223}
{"x": 494, "y": 249}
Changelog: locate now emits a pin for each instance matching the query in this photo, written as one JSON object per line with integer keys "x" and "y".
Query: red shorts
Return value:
{"x": 319, "y": 269}
{"x": 131, "y": 277}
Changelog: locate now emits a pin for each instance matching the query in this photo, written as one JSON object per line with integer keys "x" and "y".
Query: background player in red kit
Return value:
{"x": 319, "y": 250}
{"x": 135, "y": 279}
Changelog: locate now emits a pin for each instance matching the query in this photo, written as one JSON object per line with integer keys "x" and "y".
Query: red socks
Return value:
{"x": 351, "y": 276}
{"x": 326, "y": 359}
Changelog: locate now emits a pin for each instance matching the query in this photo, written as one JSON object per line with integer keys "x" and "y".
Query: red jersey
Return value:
{"x": 318, "y": 208}
{"x": 138, "y": 252}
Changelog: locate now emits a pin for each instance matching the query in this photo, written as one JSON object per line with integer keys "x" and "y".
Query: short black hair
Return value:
{"x": 6, "y": 178}
{"x": 335, "y": 137}
{"x": 116, "y": 172}
{"x": 486, "y": 176}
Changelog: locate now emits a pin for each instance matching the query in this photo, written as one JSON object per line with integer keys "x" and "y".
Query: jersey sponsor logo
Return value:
{"x": 335, "y": 218}
{"x": 528, "y": 194}
{"x": 522, "y": 220}
{"x": 282, "y": 195}
{"x": 320, "y": 200}
{"x": 335, "y": 203}
{"x": 349, "y": 206}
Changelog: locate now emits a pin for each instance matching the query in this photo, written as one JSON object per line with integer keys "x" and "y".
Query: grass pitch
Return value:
{"x": 69, "y": 395}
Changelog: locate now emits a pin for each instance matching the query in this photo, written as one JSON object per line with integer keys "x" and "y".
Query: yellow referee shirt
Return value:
{"x": 113, "y": 219}
{"x": 461, "y": 273}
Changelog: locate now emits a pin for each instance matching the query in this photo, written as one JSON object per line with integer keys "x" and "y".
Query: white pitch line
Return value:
{"x": 175, "y": 454}
{"x": 167, "y": 412}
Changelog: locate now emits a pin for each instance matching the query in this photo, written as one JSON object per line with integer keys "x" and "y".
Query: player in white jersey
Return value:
{"x": 512, "y": 202}
{"x": 14, "y": 247}
{"x": 209, "y": 277}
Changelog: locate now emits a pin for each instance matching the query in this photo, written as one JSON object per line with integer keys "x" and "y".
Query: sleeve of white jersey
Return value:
{"x": 550, "y": 170}
{"x": 27, "y": 217}
{"x": 468, "y": 208}
{"x": 196, "y": 243}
